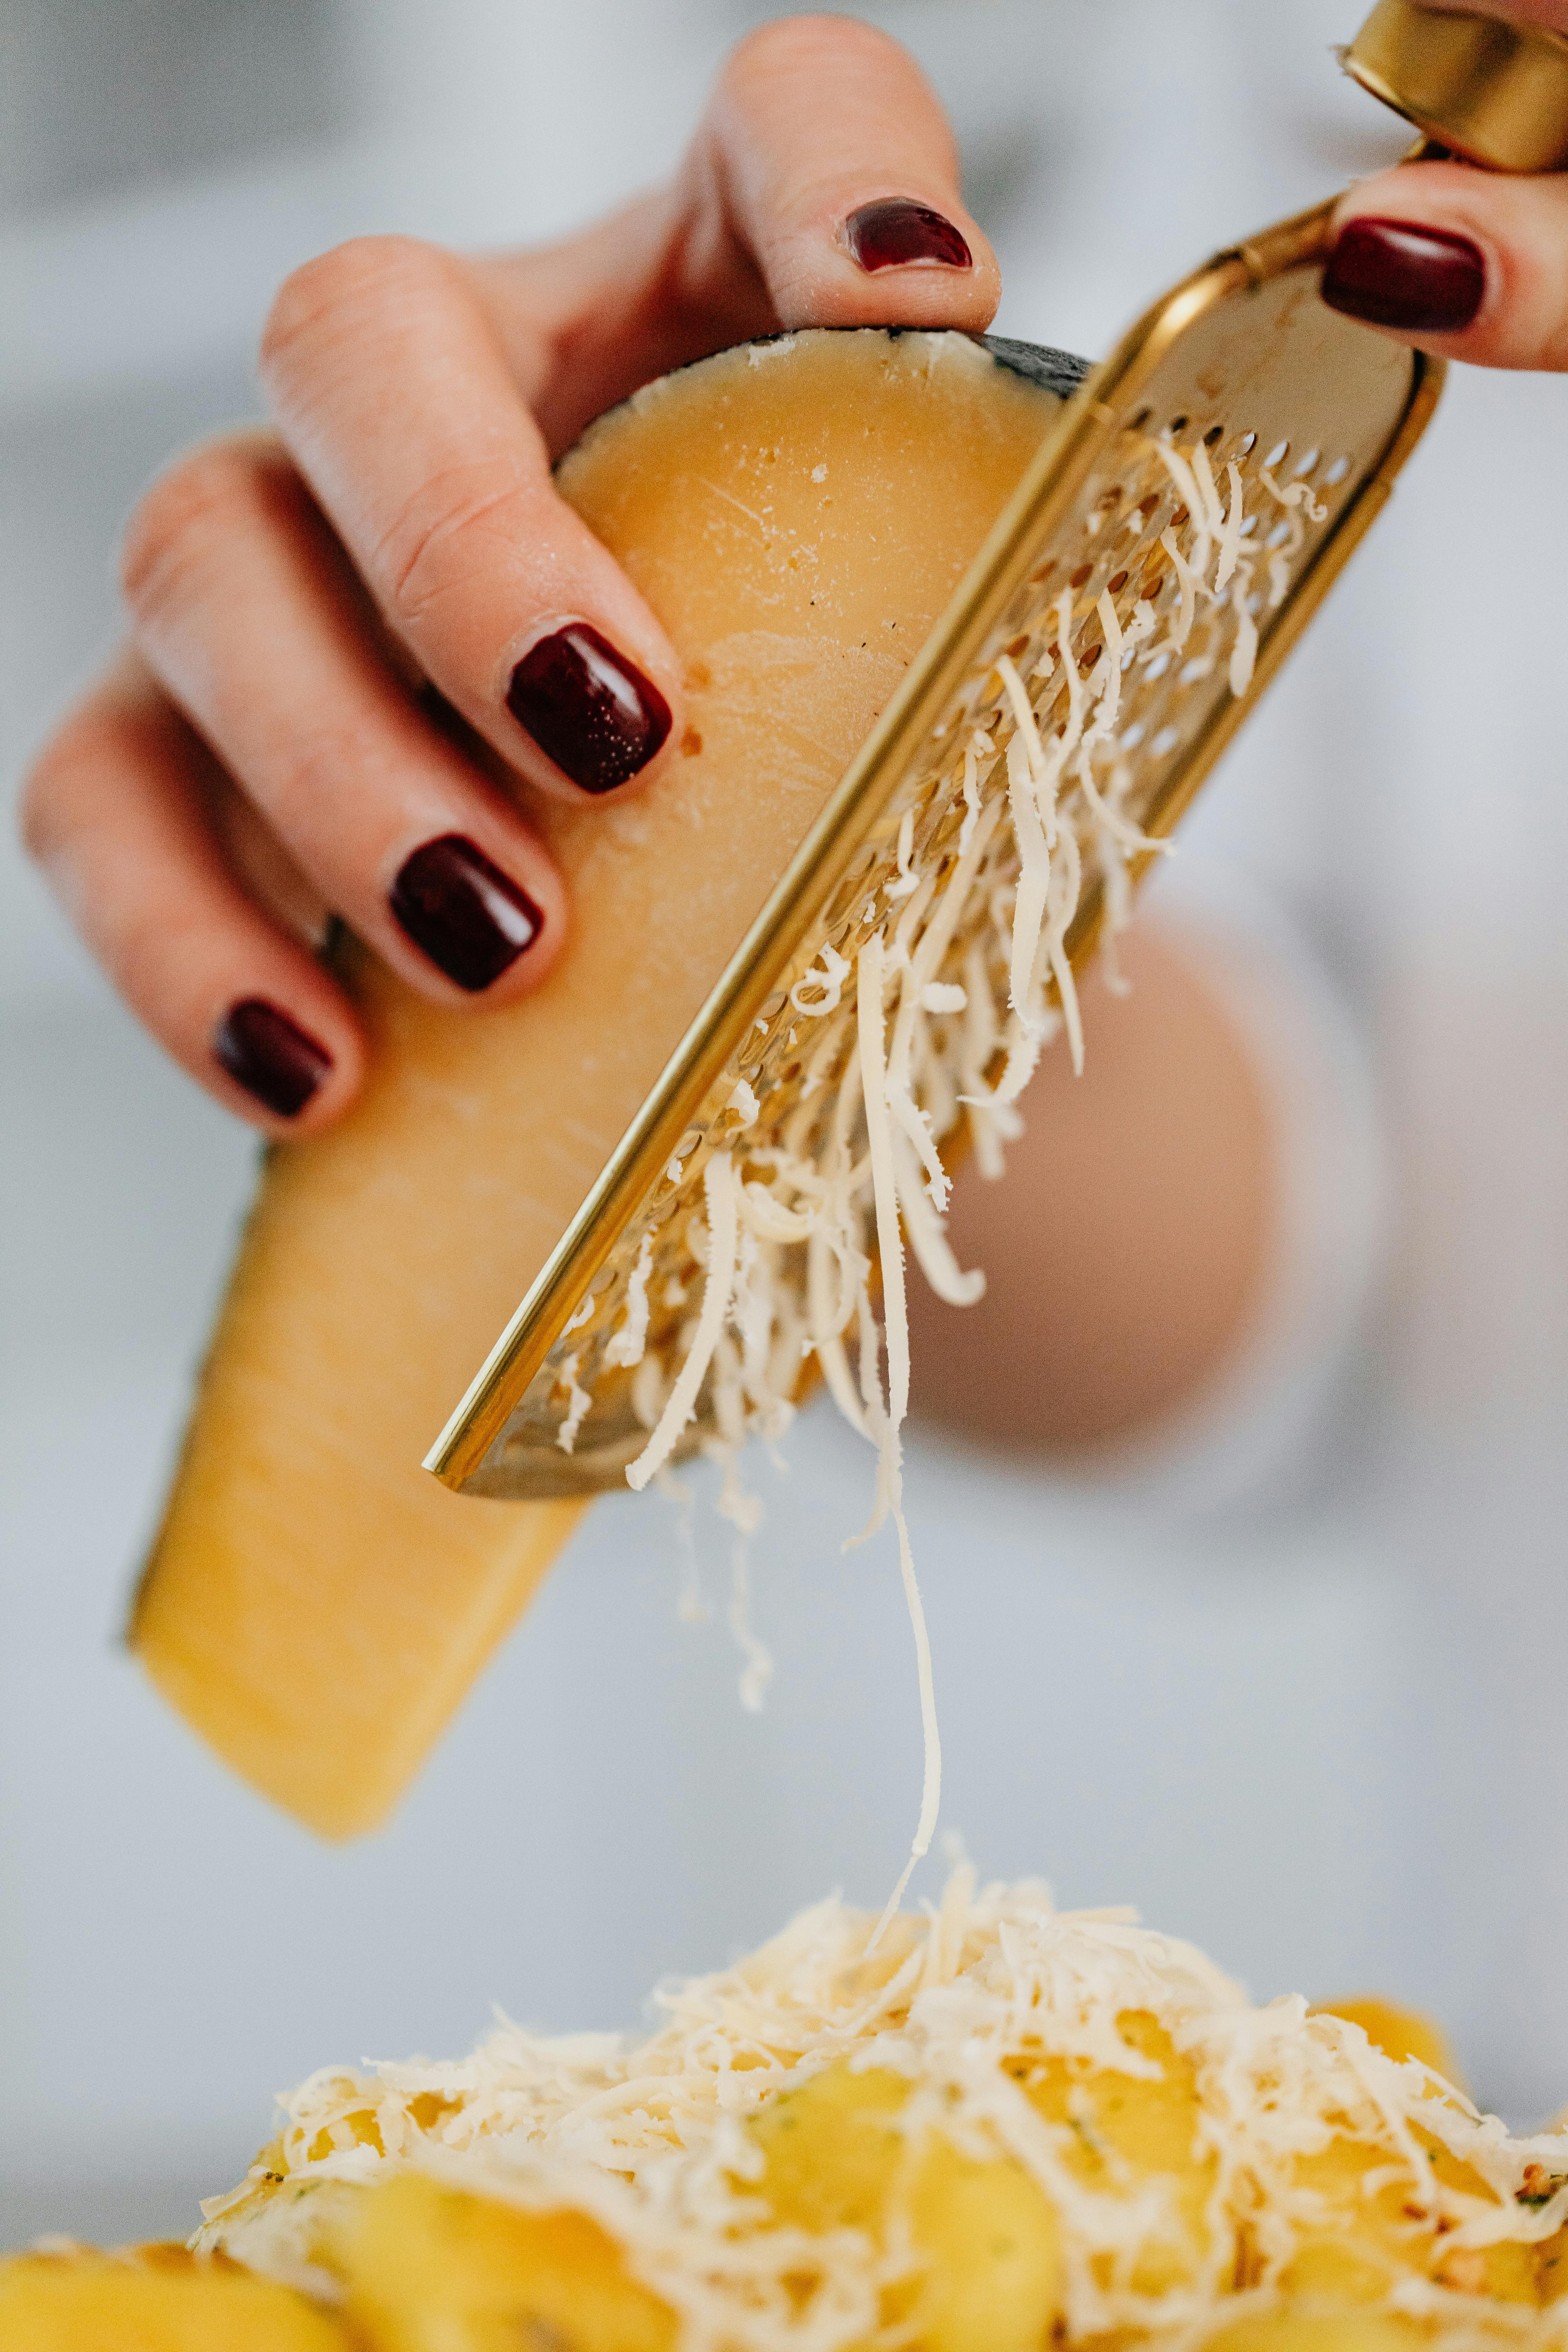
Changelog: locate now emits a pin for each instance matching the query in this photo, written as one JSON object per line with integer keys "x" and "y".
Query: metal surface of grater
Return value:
{"x": 1239, "y": 401}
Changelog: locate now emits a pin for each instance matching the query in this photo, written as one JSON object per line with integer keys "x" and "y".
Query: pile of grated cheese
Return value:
{"x": 952, "y": 999}
{"x": 649, "y": 2136}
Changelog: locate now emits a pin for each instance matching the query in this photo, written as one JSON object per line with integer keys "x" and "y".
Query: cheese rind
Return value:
{"x": 797, "y": 514}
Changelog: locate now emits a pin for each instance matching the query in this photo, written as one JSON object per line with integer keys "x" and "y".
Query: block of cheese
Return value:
{"x": 797, "y": 513}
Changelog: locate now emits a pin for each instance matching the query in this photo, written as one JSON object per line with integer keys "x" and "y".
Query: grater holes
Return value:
{"x": 1277, "y": 455}
{"x": 1337, "y": 472}
{"x": 1166, "y": 699}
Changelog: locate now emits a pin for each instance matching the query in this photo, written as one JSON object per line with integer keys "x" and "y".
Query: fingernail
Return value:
{"x": 895, "y": 232}
{"x": 270, "y": 1055}
{"x": 463, "y": 913}
{"x": 1391, "y": 273}
{"x": 585, "y": 705}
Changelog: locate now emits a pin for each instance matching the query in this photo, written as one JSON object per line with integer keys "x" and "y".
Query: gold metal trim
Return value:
{"x": 1496, "y": 93}
{"x": 1107, "y": 404}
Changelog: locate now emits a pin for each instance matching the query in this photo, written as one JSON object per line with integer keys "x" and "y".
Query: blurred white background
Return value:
{"x": 1317, "y": 1730}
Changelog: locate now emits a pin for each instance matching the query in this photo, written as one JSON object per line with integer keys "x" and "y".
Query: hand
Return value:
{"x": 362, "y": 641}
{"x": 1472, "y": 265}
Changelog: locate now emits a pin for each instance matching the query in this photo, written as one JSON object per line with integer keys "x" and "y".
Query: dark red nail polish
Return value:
{"x": 267, "y": 1055}
{"x": 897, "y": 231}
{"x": 1391, "y": 273}
{"x": 583, "y": 704}
{"x": 463, "y": 913}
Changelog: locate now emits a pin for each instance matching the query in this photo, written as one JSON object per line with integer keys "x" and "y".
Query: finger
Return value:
{"x": 827, "y": 156}
{"x": 246, "y": 610}
{"x": 814, "y": 121}
{"x": 115, "y": 812}
{"x": 1467, "y": 264}
{"x": 1551, "y": 16}
{"x": 396, "y": 402}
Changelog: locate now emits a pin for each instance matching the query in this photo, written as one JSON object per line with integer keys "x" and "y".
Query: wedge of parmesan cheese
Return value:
{"x": 797, "y": 513}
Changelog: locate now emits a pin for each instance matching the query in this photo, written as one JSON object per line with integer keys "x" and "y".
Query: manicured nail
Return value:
{"x": 463, "y": 913}
{"x": 585, "y": 705}
{"x": 1424, "y": 282}
{"x": 895, "y": 232}
{"x": 267, "y": 1055}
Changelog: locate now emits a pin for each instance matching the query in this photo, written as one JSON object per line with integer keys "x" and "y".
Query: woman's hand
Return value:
{"x": 361, "y": 642}
{"x": 1469, "y": 264}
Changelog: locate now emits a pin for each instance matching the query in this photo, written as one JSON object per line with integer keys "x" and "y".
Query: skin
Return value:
{"x": 261, "y": 754}
{"x": 1130, "y": 1244}
{"x": 1520, "y": 225}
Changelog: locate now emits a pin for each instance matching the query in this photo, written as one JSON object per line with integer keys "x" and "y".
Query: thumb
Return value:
{"x": 1469, "y": 264}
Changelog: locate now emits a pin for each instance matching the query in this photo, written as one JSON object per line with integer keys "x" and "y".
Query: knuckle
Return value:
{"x": 445, "y": 534}
{"x": 185, "y": 507}
{"x": 60, "y": 785}
{"x": 39, "y": 811}
{"x": 314, "y": 767}
{"x": 806, "y": 44}
{"x": 146, "y": 948}
{"x": 338, "y": 284}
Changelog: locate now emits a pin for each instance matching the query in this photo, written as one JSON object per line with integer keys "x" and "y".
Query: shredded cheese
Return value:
{"x": 929, "y": 1006}
{"x": 1022, "y": 2033}
{"x": 719, "y": 1186}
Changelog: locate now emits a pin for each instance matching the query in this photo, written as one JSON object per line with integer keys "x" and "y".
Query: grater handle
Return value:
{"x": 1494, "y": 93}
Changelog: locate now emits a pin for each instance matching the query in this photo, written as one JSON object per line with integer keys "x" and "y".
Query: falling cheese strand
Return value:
{"x": 905, "y": 1089}
{"x": 869, "y": 984}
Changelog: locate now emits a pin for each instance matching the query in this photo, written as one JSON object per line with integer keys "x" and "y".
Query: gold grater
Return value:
{"x": 1240, "y": 367}
{"x": 1496, "y": 94}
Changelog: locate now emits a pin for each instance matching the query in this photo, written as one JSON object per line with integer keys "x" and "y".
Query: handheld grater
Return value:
{"x": 1267, "y": 401}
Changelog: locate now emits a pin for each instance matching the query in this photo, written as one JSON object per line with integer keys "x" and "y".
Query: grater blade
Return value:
{"x": 1242, "y": 362}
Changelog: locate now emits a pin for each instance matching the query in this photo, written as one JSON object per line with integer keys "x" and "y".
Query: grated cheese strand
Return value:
{"x": 577, "y": 1403}
{"x": 719, "y": 1190}
{"x": 626, "y": 1346}
{"x": 869, "y": 970}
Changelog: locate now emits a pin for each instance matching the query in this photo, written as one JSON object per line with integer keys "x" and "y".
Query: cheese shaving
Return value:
{"x": 719, "y": 1187}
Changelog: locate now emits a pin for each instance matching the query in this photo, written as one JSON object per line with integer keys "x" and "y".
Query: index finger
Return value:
{"x": 398, "y": 406}
{"x": 821, "y": 189}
